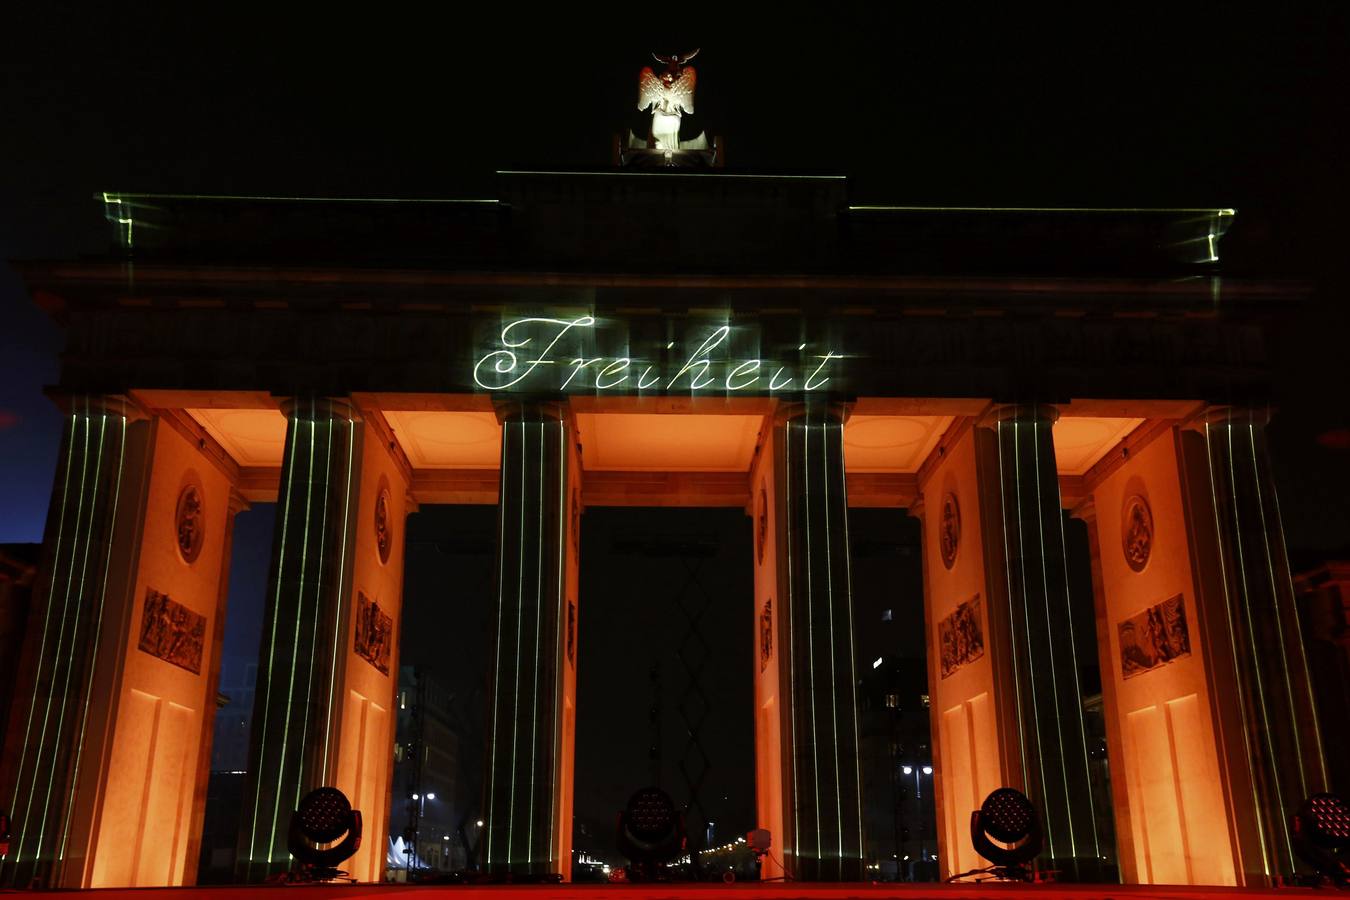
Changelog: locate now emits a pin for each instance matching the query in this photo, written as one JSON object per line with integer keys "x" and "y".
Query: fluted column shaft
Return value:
{"x": 295, "y": 711}
{"x": 1047, "y": 710}
{"x": 529, "y": 621}
{"x": 818, "y": 671}
{"x": 1275, "y": 755}
{"x": 46, "y": 738}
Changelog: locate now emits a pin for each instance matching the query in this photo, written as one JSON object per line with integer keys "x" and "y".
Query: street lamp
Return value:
{"x": 415, "y": 852}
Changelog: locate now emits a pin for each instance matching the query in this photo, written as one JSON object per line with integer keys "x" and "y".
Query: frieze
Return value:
{"x": 172, "y": 632}
{"x": 951, "y": 355}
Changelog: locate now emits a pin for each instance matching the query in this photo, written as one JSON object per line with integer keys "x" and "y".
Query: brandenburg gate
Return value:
{"x": 664, "y": 339}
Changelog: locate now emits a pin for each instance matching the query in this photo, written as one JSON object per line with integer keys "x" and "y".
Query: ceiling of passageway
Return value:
{"x": 660, "y": 442}
{"x": 253, "y": 437}
{"x": 653, "y": 442}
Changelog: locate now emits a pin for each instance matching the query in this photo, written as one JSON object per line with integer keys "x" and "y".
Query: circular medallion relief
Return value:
{"x": 189, "y": 522}
{"x": 384, "y": 534}
{"x": 950, "y": 529}
{"x": 1136, "y": 532}
{"x": 762, "y": 522}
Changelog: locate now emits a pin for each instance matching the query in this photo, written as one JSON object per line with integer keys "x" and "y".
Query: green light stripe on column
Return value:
{"x": 55, "y": 745}
{"x": 538, "y": 635}
{"x": 790, "y": 610}
{"x": 1036, "y": 428}
{"x": 829, "y": 596}
{"x": 46, "y": 628}
{"x": 1077, "y": 684}
{"x": 295, "y": 638}
{"x": 852, "y": 651}
{"x": 520, "y": 620}
{"x": 1250, "y": 618}
{"x": 98, "y": 629}
{"x": 328, "y": 775}
{"x": 287, "y": 490}
{"x": 1275, "y": 600}
{"x": 1288, "y": 580}
{"x": 559, "y": 647}
{"x": 497, "y": 665}
{"x": 1008, "y": 580}
{"x": 1233, "y": 644}
{"x": 811, "y": 632}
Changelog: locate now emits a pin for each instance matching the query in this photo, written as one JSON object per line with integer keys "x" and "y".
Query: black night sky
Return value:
{"x": 1207, "y": 106}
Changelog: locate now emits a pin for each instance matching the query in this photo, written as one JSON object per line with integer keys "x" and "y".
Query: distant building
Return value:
{"x": 18, "y": 566}
{"x": 895, "y": 749}
{"x": 430, "y": 808}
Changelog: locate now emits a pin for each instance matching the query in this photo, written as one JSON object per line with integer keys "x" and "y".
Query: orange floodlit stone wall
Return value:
{"x": 1172, "y": 822}
{"x": 366, "y": 730}
{"x": 967, "y": 761}
{"x": 161, "y": 711}
{"x": 769, "y": 777}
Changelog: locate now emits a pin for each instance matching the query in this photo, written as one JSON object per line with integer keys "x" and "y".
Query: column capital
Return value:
{"x": 1219, "y": 414}
{"x": 1086, "y": 510}
{"x": 529, "y": 409}
{"x": 335, "y": 407}
{"x": 1020, "y": 412}
{"x": 236, "y": 503}
{"x": 100, "y": 404}
{"x": 785, "y": 412}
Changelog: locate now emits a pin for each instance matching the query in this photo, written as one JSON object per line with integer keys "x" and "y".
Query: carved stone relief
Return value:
{"x": 374, "y": 633}
{"x": 1155, "y": 637}
{"x": 766, "y": 634}
{"x": 961, "y": 636}
{"x": 172, "y": 632}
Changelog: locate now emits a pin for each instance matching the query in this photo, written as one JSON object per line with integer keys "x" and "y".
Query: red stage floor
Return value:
{"x": 745, "y": 891}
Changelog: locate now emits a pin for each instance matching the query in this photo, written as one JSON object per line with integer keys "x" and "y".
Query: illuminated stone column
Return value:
{"x": 122, "y": 655}
{"x": 298, "y": 696}
{"x": 817, "y": 673}
{"x": 1040, "y": 711}
{"x": 50, "y": 718}
{"x": 527, "y": 802}
{"x": 1270, "y": 743}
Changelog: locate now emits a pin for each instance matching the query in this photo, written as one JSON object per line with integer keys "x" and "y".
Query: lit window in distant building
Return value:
{"x": 893, "y": 701}
{"x": 923, "y": 698}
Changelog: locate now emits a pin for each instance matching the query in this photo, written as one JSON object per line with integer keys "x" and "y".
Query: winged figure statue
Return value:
{"x": 668, "y": 95}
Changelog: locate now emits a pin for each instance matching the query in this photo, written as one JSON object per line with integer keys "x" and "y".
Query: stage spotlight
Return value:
{"x": 651, "y": 833}
{"x": 324, "y": 817}
{"x": 1322, "y": 836}
{"x": 1006, "y": 816}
